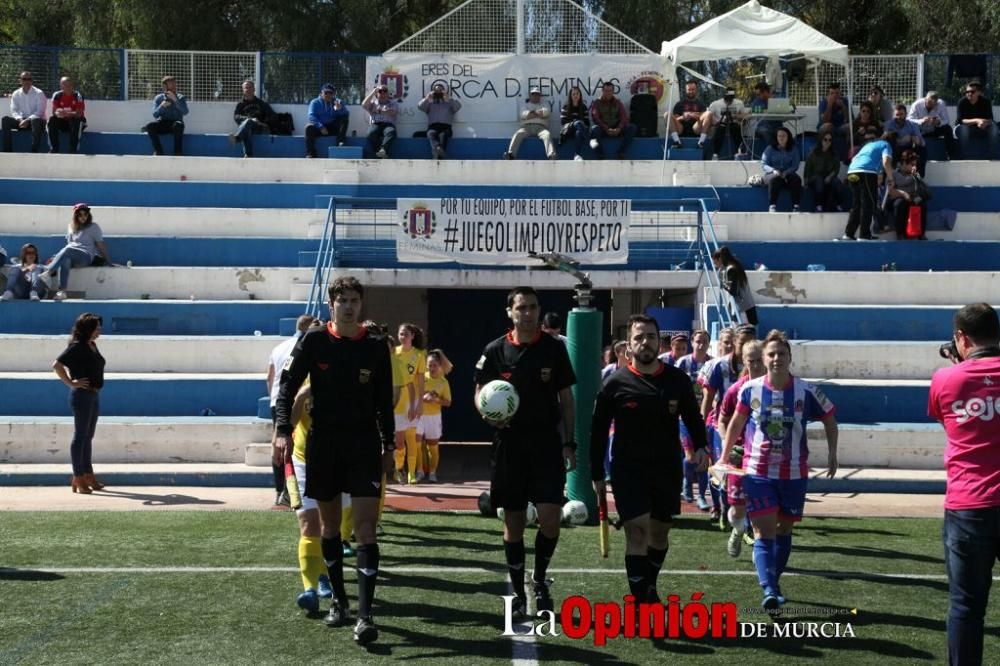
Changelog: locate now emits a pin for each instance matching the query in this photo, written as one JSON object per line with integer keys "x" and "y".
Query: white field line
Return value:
{"x": 459, "y": 571}
{"x": 523, "y": 650}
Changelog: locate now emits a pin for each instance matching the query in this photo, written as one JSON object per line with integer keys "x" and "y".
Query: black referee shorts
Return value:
{"x": 641, "y": 487}
{"x": 341, "y": 462}
{"x": 526, "y": 467}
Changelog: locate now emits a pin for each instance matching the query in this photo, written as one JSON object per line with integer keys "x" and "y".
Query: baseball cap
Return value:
{"x": 730, "y": 93}
{"x": 933, "y": 94}
{"x": 327, "y": 86}
{"x": 534, "y": 90}
{"x": 80, "y": 206}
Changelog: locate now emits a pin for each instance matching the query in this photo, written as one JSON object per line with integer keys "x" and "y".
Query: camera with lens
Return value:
{"x": 949, "y": 351}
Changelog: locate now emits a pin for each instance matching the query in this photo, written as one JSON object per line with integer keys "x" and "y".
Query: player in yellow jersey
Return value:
{"x": 437, "y": 394}
{"x": 315, "y": 581}
{"x": 412, "y": 359}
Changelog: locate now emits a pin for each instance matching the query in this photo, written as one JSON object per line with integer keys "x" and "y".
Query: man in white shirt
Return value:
{"x": 275, "y": 364}
{"x": 931, "y": 115}
{"x": 727, "y": 114}
{"x": 27, "y": 111}
{"x": 534, "y": 122}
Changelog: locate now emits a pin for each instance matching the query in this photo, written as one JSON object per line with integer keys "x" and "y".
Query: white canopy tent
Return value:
{"x": 748, "y": 31}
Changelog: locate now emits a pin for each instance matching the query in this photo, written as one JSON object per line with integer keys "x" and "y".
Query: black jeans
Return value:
{"x": 86, "y": 405}
{"x": 338, "y": 127}
{"x": 175, "y": 127}
{"x": 864, "y": 192}
{"x": 791, "y": 182}
{"x": 731, "y": 130}
{"x": 9, "y": 124}
{"x": 438, "y": 134}
{"x": 971, "y": 547}
{"x": 72, "y": 125}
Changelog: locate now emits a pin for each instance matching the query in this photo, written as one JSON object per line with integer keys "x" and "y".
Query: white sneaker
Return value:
{"x": 420, "y": 476}
{"x": 60, "y": 296}
{"x": 381, "y": 154}
{"x": 715, "y": 158}
{"x": 8, "y": 296}
{"x": 33, "y": 296}
{"x": 439, "y": 152}
{"x": 795, "y": 208}
{"x": 819, "y": 209}
{"x": 735, "y": 544}
{"x": 577, "y": 158}
{"x": 594, "y": 144}
{"x": 772, "y": 209}
{"x": 432, "y": 477}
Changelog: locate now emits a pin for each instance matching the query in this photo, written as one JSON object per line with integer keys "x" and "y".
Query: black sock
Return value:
{"x": 544, "y": 548}
{"x": 654, "y": 559}
{"x": 278, "y": 473}
{"x": 367, "y": 573}
{"x": 514, "y": 551}
{"x": 637, "y": 570}
{"x": 333, "y": 555}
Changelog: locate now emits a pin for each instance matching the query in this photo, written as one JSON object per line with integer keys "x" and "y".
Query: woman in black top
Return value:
{"x": 575, "y": 122}
{"x": 734, "y": 281}
{"x": 81, "y": 367}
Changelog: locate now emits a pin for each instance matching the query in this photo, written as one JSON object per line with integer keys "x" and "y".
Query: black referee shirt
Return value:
{"x": 351, "y": 381}
{"x": 645, "y": 410}
{"x": 538, "y": 370}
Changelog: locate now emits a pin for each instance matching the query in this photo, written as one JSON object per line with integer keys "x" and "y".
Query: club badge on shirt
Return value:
{"x": 364, "y": 375}
{"x": 672, "y": 406}
{"x": 546, "y": 375}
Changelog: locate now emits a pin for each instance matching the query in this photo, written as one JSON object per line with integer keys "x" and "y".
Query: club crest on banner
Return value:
{"x": 648, "y": 82}
{"x": 419, "y": 221}
{"x": 397, "y": 83}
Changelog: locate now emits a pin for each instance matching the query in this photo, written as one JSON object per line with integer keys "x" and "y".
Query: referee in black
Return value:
{"x": 350, "y": 445}
{"x": 530, "y": 458}
{"x": 644, "y": 400}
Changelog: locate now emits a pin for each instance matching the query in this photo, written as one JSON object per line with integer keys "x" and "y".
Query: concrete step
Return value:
{"x": 152, "y": 317}
{"x": 897, "y": 446}
{"x": 208, "y": 439}
{"x": 135, "y": 353}
{"x": 866, "y": 359}
{"x": 190, "y": 283}
{"x": 859, "y": 322}
{"x": 258, "y": 455}
{"x": 138, "y": 394}
{"x": 785, "y": 226}
{"x": 889, "y": 288}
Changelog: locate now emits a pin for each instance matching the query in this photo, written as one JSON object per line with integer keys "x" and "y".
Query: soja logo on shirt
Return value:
{"x": 982, "y": 408}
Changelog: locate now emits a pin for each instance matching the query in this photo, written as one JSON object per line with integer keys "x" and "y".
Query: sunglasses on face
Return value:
{"x": 827, "y": 140}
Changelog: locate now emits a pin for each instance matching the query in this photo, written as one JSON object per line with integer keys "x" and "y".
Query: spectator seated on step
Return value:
{"x": 781, "y": 164}
{"x": 975, "y": 121}
{"x": 907, "y": 189}
{"x": 440, "y": 108}
{"x": 534, "y": 118}
{"x": 609, "y": 118}
{"x": 865, "y": 123}
{"x": 689, "y": 118}
{"x": 27, "y": 112}
{"x": 327, "y": 115}
{"x": 382, "y": 111}
{"x": 931, "y": 116}
{"x": 833, "y": 113}
{"x": 885, "y": 110}
{"x": 822, "y": 175}
{"x": 728, "y": 113}
{"x": 67, "y": 116}
{"x": 169, "y": 109}
{"x": 574, "y": 122}
{"x": 24, "y": 280}
{"x": 908, "y": 137}
{"x": 84, "y": 247}
{"x": 251, "y": 117}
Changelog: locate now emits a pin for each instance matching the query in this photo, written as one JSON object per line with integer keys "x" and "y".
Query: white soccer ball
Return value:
{"x": 574, "y": 512}
{"x": 500, "y": 514}
{"x": 498, "y": 400}
{"x": 531, "y": 515}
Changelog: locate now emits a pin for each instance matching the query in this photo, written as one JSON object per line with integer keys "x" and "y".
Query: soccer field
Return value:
{"x": 219, "y": 588}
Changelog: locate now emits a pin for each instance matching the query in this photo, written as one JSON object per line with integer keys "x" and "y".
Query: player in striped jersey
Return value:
{"x": 716, "y": 377}
{"x": 772, "y": 412}
{"x": 692, "y": 365}
{"x": 753, "y": 367}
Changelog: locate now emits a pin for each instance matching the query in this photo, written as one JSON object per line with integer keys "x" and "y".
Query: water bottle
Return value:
{"x": 816, "y": 268}
{"x": 257, "y": 334}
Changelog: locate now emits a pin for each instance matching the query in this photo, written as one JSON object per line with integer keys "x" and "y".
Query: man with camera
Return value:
{"x": 727, "y": 114}
{"x": 440, "y": 108}
{"x": 965, "y": 398}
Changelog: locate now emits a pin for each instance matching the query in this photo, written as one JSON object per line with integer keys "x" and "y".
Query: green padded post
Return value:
{"x": 583, "y": 329}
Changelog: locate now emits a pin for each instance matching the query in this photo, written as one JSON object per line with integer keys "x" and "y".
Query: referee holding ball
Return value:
{"x": 530, "y": 460}
{"x": 644, "y": 400}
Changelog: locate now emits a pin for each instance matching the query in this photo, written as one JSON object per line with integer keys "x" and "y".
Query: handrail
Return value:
{"x": 705, "y": 244}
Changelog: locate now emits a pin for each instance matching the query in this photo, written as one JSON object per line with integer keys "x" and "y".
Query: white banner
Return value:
{"x": 504, "y": 231}
{"x": 493, "y": 88}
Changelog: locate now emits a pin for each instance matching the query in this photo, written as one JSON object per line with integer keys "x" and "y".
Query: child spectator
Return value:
{"x": 437, "y": 394}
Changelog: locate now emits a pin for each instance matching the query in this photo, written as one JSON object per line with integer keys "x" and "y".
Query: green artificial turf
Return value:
{"x": 430, "y": 607}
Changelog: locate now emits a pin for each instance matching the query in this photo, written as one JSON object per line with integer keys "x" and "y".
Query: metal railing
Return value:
{"x": 675, "y": 234}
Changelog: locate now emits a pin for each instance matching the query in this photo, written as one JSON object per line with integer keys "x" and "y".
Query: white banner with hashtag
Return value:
{"x": 505, "y": 231}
